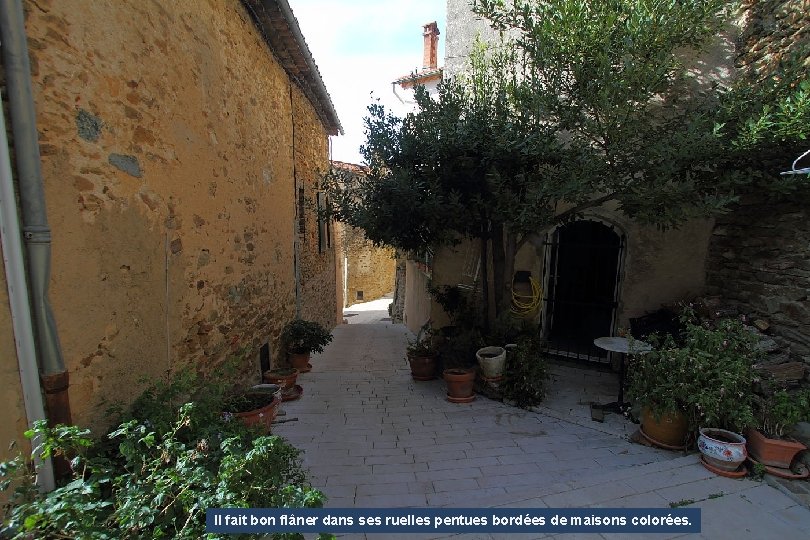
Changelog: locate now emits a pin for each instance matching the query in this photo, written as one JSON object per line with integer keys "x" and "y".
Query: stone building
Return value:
{"x": 756, "y": 255}
{"x": 368, "y": 270}
{"x": 759, "y": 255}
{"x": 633, "y": 269}
{"x": 180, "y": 144}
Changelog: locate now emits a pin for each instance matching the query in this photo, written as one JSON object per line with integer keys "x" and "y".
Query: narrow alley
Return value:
{"x": 373, "y": 437}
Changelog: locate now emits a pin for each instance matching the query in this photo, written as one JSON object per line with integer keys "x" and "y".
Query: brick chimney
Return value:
{"x": 430, "y": 56}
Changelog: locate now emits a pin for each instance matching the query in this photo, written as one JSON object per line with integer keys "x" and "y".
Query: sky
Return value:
{"x": 360, "y": 47}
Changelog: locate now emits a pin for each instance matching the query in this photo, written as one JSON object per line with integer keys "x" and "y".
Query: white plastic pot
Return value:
{"x": 492, "y": 361}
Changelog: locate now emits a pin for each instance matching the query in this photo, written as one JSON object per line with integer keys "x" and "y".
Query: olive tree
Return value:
{"x": 581, "y": 104}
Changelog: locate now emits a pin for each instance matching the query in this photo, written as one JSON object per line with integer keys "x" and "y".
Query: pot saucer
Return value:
{"x": 739, "y": 473}
{"x": 295, "y": 393}
{"x": 461, "y": 399}
{"x": 801, "y": 471}
{"x": 658, "y": 443}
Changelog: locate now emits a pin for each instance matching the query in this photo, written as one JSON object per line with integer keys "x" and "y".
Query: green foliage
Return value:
{"x": 758, "y": 471}
{"x": 682, "y": 502}
{"x": 611, "y": 76}
{"x": 709, "y": 377}
{"x": 154, "y": 476}
{"x": 300, "y": 336}
{"x": 590, "y": 103}
{"x": 424, "y": 344}
{"x": 459, "y": 347}
{"x": 526, "y": 372}
{"x": 781, "y": 410}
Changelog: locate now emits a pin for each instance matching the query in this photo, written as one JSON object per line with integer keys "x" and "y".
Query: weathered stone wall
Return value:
{"x": 166, "y": 133}
{"x": 318, "y": 257}
{"x": 772, "y": 33}
{"x": 760, "y": 258}
{"x": 759, "y": 252}
{"x": 370, "y": 269}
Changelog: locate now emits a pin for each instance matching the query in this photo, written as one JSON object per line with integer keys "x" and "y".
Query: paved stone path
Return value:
{"x": 373, "y": 437}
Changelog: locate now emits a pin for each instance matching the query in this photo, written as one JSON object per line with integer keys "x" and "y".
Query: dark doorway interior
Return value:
{"x": 581, "y": 296}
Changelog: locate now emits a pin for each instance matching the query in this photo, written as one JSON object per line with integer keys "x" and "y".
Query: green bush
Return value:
{"x": 154, "y": 475}
{"x": 300, "y": 336}
{"x": 709, "y": 376}
{"x": 526, "y": 372}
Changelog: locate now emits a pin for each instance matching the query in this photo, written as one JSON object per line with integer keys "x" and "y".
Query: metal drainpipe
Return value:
{"x": 18, "y": 302}
{"x": 36, "y": 233}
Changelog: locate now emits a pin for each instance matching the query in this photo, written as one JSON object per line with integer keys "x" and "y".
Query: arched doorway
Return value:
{"x": 583, "y": 260}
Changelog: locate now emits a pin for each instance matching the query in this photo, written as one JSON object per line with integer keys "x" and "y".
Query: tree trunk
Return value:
{"x": 510, "y": 252}
{"x": 485, "y": 280}
{"x": 498, "y": 267}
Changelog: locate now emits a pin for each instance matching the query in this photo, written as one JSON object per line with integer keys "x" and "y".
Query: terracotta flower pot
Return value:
{"x": 300, "y": 361}
{"x": 262, "y": 417}
{"x": 284, "y": 377}
{"x": 459, "y": 385}
{"x": 668, "y": 431}
{"x": 722, "y": 449}
{"x": 773, "y": 452}
{"x": 423, "y": 368}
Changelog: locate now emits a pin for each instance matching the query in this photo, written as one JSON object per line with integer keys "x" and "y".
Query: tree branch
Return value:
{"x": 585, "y": 205}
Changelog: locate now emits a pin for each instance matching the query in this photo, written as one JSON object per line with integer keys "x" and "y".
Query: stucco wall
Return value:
{"x": 463, "y": 26}
{"x": 417, "y": 299}
{"x": 166, "y": 133}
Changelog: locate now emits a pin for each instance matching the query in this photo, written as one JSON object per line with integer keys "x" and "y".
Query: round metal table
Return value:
{"x": 623, "y": 346}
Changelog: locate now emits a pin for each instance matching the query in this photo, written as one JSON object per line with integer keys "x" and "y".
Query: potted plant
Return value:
{"x": 656, "y": 381}
{"x": 458, "y": 356}
{"x": 285, "y": 378}
{"x": 253, "y": 408}
{"x": 301, "y": 338}
{"x": 776, "y": 413}
{"x": 708, "y": 376}
{"x": 492, "y": 358}
{"x": 421, "y": 355}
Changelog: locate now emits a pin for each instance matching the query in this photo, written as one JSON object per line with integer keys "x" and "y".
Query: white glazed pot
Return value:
{"x": 722, "y": 448}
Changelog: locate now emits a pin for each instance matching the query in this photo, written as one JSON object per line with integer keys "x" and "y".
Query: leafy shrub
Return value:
{"x": 300, "y": 336}
{"x": 154, "y": 475}
{"x": 709, "y": 377}
{"x": 782, "y": 409}
{"x": 526, "y": 373}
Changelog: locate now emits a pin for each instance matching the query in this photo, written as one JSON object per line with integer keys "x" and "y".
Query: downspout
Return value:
{"x": 36, "y": 233}
{"x": 18, "y": 302}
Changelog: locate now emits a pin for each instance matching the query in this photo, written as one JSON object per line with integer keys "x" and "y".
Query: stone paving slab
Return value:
{"x": 373, "y": 437}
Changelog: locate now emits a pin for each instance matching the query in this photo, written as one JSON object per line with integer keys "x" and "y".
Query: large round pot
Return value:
{"x": 300, "y": 361}
{"x": 262, "y": 417}
{"x": 669, "y": 430}
{"x": 721, "y": 448}
{"x": 423, "y": 368}
{"x": 491, "y": 360}
{"x": 460, "y": 385}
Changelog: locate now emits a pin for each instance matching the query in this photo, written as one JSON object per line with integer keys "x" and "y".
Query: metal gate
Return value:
{"x": 582, "y": 273}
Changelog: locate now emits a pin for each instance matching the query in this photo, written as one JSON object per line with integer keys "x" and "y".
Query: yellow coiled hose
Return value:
{"x": 523, "y": 305}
